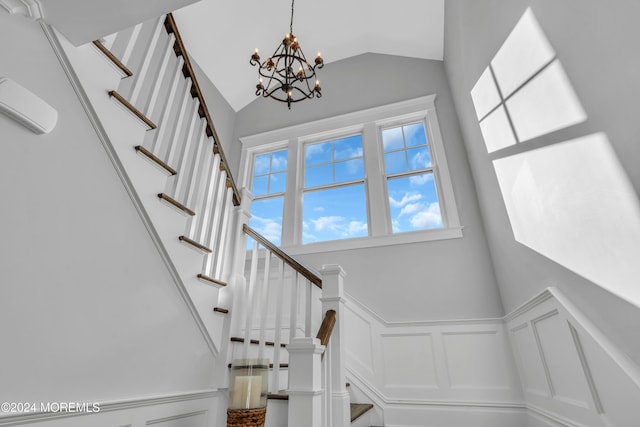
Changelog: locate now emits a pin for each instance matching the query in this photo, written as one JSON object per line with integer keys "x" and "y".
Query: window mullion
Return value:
{"x": 375, "y": 181}
{"x": 291, "y": 221}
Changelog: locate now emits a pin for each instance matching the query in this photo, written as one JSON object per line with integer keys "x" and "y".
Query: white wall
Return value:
{"x": 593, "y": 41}
{"x": 88, "y": 309}
{"x": 449, "y": 279}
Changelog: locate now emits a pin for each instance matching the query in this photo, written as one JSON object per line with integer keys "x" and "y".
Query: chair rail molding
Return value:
{"x": 31, "y": 9}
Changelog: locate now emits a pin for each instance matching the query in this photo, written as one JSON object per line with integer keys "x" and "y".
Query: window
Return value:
{"x": 334, "y": 200}
{"x": 268, "y": 188}
{"x": 413, "y": 198}
{"x": 372, "y": 178}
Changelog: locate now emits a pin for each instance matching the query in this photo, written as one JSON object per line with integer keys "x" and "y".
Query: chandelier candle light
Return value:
{"x": 290, "y": 77}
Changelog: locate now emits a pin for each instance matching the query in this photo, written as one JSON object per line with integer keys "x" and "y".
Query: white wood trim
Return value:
{"x": 31, "y": 9}
{"x": 110, "y": 406}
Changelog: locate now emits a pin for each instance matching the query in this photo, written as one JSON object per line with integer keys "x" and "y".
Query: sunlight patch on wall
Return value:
{"x": 573, "y": 203}
{"x": 545, "y": 104}
{"x": 524, "y": 93}
{"x": 523, "y": 53}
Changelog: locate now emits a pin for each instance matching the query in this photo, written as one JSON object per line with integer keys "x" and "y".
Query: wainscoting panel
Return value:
{"x": 408, "y": 361}
{"x": 572, "y": 374}
{"x": 447, "y": 369}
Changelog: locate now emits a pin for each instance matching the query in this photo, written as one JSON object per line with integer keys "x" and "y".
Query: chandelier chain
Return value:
{"x": 291, "y": 24}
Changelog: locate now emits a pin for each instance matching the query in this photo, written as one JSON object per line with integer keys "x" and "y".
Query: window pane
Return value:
{"x": 392, "y": 139}
{"x": 260, "y": 185}
{"x": 333, "y": 214}
{"x": 419, "y": 158}
{"x": 349, "y": 170}
{"x": 317, "y": 153}
{"x": 415, "y": 135}
{"x": 278, "y": 183}
{"x": 318, "y": 175}
{"x": 395, "y": 162}
{"x": 279, "y": 161}
{"x": 413, "y": 202}
{"x": 348, "y": 148}
{"x": 262, "y": 164}
{"x": 266, "y": 218}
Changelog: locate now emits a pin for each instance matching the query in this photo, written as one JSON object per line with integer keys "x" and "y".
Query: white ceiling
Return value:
{"x": 221, "y": 36}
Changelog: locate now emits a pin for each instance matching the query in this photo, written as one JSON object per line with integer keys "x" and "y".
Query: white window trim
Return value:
{"x": 367, "y": 122}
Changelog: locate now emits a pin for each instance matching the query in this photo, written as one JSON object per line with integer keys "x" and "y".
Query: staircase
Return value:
{"x": 141, "y": 94}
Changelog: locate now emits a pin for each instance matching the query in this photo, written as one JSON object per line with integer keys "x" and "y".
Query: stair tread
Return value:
{"x": 126, "y": 104}
{"x": 220, "y": 310}
{"x": 282, "y": 365}
{"x": 359, "y": 409}
{"x": 155, "y": 159}
{"x": 195, "y": 244}
{"x": 173, "y": 202}
{"x": 116, "y": 61}
{"x": 208, "y": 279}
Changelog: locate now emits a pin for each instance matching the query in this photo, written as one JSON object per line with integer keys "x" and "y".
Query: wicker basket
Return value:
{"x": 246, "y": 417}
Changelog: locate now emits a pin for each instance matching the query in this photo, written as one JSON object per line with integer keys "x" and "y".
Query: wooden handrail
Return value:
{"x": 308, "y": 274}
{"x": 326, "y": 328}
{"x": 171, "y": 27}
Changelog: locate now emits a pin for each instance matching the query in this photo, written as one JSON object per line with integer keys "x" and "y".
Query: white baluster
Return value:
{"x": 264, "y": 303}
{"x": 308, "y": 289}
{"x": 250, "y": 299}
{"x": 140, "y": 75}
{"x": 199, "y": 177}
{"x": 191, "y": 181}
{"x": 293, "y": 309}
{"x": 277, "y": 339}
{"x": 175, "y": 184}
{"x": 176, "y": 136}
{"x": 211, "y": 178}
{"x": 224, "y": 249}
{"x": 152, "y": 101}
{"x": 130, "y": 42}
{"x": 165, "y": 122}
{"x": 214, "y": 222}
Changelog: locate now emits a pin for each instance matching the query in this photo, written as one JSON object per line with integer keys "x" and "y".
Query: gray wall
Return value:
{"x": 597, "y": 43}
{"x": 87, "y": 307}
{"x": 450, "y": 279}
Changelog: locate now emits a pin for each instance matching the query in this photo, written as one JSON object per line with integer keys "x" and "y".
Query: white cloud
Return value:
{"x": 407, "y": 198}
{"x": 427, "y": 218}
{"x": 356, "y": 227}
{"x": 421, "y": 160}
{"x": 318, "y": 209}
{"x": 331, "y": 223}
{"x": 411, "y": 208}
{"x": 278, "y": 163}
{"x": 339, "y": 226}
{"x": 417, "y": 180}
{"x": 269, "y": 228}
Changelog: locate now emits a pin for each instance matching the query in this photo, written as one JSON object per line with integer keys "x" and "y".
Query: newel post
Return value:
{"x": 305, "y": 382}
{"x": 333, "y": 299}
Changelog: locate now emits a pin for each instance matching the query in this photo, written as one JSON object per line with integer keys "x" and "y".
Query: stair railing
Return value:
{"x": 280, "y": 302}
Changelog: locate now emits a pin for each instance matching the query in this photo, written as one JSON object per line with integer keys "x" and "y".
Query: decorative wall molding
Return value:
{"x": 408, "y": 323}
{"x": 31, "y": 9}
{"x": 407, "y": 369}
{"x": 111, "y": 406}
{"x": 571, "y": 373}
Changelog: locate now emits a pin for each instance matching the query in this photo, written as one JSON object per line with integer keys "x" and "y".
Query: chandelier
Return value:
{"x": 289, "y": 76}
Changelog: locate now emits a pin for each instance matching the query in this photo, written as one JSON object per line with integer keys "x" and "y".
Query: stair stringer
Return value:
{"x": 119, "y": 132}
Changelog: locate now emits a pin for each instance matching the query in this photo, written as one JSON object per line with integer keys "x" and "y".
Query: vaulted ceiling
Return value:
{"x": 222, "y": 35}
